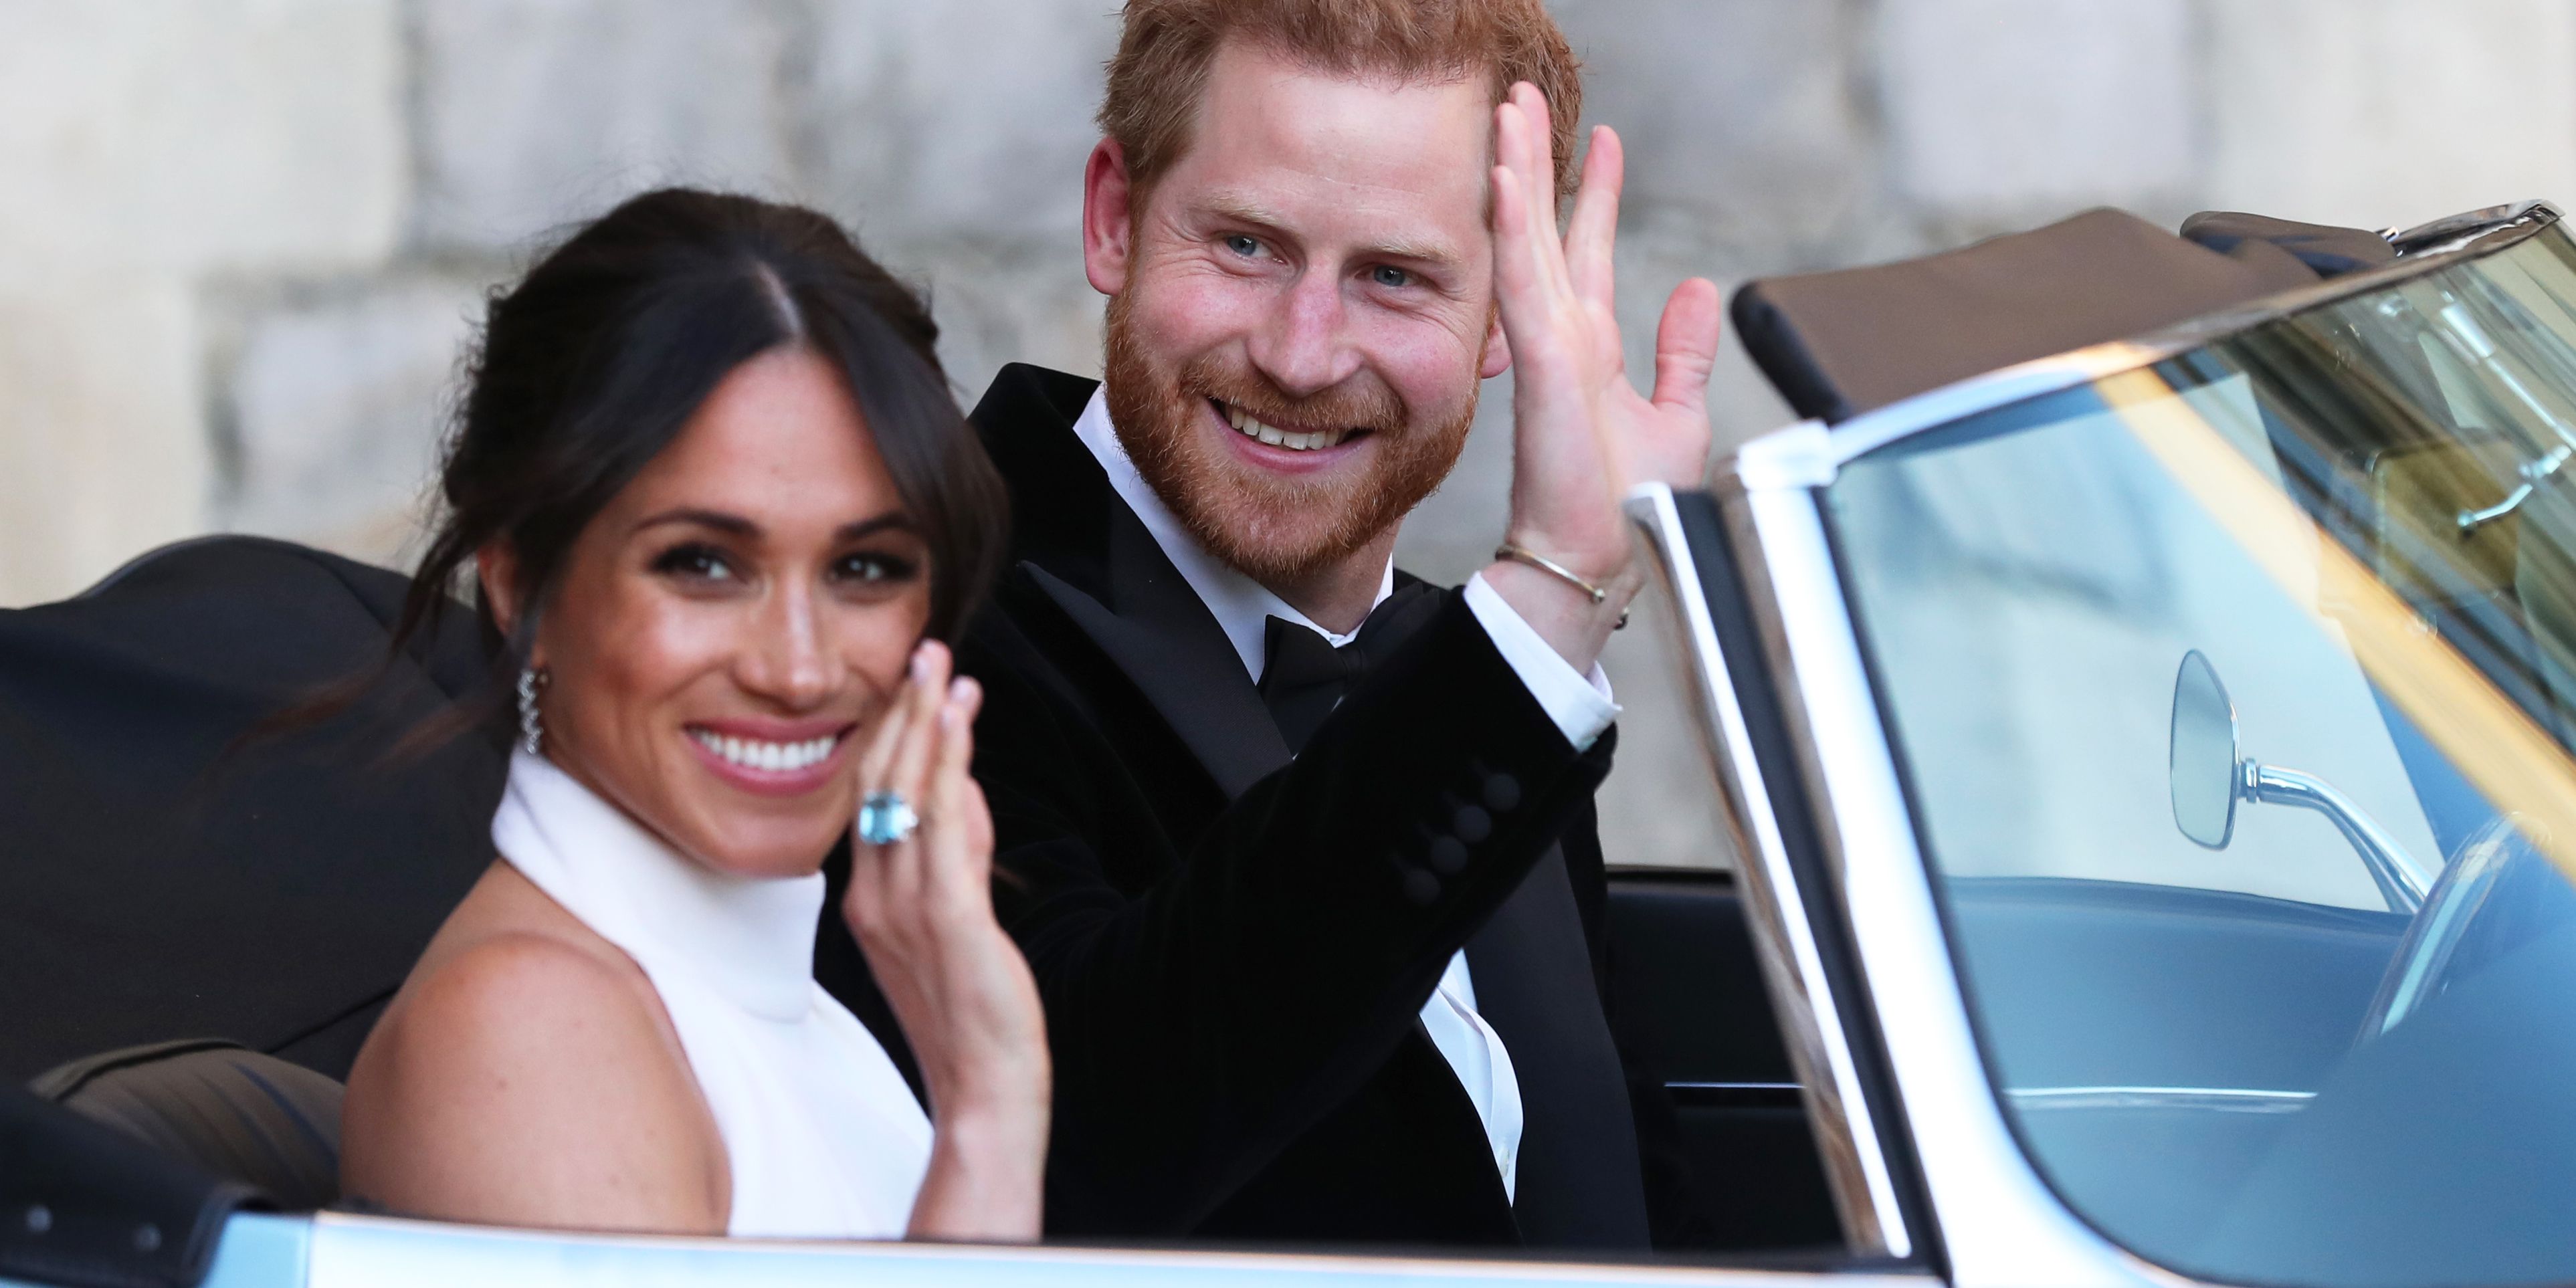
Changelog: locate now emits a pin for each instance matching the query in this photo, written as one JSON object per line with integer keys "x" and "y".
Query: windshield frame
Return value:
{"x": 1998, "y": 1221}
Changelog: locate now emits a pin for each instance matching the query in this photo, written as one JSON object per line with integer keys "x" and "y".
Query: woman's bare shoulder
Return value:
{"x": 526, "y": 1077}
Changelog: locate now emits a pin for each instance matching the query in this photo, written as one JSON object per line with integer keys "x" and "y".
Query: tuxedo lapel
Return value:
{"x": 1579, "y": 1180}
{"x": 1080, "y": 544}
{"x": 1167, "y": 643}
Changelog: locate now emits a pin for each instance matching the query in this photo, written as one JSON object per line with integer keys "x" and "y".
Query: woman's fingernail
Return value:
{"x": 960, "y": 689}
{"x": 921, "y": 663}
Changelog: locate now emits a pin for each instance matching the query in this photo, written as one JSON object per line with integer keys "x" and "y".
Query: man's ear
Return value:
{"x": 1498, "y": 350}
{"x": 496, "y": 566}
{"x": 1108, "y": 223}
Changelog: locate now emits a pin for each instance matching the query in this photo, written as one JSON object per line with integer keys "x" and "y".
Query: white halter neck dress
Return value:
{"x": 824, "y": 1137}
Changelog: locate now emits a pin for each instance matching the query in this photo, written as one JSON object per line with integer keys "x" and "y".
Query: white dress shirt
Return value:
{"x": 1579, "y": 704}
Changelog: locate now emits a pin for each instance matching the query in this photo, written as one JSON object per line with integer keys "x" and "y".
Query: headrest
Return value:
{"x": 1836, "y": 344}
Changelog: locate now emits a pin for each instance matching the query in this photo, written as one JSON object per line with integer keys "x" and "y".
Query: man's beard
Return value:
{"x": 1276, "y": 529}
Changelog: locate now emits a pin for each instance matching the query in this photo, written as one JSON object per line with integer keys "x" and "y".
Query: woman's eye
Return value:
{"x": 1242, "y": 245}
{"x": 872, "y": 569}
{"x": 696, "y": 563}
{"x": 1390, "y": 277}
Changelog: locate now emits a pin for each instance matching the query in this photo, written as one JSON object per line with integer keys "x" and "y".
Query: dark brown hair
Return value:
{"x": 590, "y": 365}
{"x": 1161, "y": 69}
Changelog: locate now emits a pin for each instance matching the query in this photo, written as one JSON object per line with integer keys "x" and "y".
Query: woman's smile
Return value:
{"x": 772, "y": 757}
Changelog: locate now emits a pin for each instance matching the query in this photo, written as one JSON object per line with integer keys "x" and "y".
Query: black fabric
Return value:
{"x": 1303, "y": 677}
{"x": 161, "y": 874}
{"x": 87, "y": 1205}
{"x": 236, "y": 1113}
{"x": 1836, "y": 344}
{"x": 1690, "y": 999}
{"x": 1232, "y": 947}
{"x": 1579, "y": 1180}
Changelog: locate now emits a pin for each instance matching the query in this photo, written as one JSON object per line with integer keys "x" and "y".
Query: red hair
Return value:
{"x": 1161, "y": 70}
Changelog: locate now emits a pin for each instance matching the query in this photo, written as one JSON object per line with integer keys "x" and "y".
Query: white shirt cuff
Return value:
{"x": 1579, "y": 704}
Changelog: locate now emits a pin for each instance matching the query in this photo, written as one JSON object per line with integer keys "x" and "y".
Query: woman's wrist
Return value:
{"x": 994, "y": 1126}
{"x": 987, "y": 1177}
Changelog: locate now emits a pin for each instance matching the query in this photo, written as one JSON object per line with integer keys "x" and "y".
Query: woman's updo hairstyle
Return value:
{"x": 590, "y": 366}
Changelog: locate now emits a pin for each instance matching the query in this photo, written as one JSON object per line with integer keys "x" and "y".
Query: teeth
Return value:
{"x": 1251, "y": 428}
{"x": 772, "y": 757}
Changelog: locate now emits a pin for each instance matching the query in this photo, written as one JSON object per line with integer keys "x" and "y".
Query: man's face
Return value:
{"x": 1301, "y": 307}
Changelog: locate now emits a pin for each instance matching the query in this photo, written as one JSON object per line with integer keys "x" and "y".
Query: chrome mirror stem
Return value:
{"x": 2398, "y": 881}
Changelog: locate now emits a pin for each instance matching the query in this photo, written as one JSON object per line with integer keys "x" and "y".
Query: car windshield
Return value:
{"x": 2234, "y": 695}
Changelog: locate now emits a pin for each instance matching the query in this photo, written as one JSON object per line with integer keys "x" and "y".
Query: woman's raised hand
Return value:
{"x": 921, "y": 909}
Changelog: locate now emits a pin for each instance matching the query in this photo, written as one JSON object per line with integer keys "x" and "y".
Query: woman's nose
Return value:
{"x": 791, "y": 659}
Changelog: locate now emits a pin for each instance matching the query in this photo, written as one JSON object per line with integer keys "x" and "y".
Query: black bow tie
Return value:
{"x": 1304, "y": 677}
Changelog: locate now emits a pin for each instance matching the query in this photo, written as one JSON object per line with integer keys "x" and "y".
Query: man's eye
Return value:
{"x": 1242, "y": 245}
{"x": 695, "y": 563}
{"x": 1390, "y": 277}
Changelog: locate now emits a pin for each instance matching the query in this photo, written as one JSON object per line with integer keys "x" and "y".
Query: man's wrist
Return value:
{"x": 1565, "y": 615}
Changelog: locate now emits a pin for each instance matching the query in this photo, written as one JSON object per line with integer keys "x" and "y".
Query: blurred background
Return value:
{"x": 243, "y": 242}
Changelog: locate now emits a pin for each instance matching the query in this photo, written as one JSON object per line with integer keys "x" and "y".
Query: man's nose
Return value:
{"x": 1303, "y": 347}
{"x": 791, "y": 660}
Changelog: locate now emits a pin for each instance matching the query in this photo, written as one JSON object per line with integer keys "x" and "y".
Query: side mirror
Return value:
{"x": 2208, "y": 776}
{"x": 2203, "y": 764}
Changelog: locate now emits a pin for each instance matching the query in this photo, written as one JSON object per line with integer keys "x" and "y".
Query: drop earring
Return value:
{"x": 532, "y": 730}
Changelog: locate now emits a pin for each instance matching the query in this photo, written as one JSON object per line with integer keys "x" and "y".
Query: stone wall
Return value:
{"x": 241, "y": 240}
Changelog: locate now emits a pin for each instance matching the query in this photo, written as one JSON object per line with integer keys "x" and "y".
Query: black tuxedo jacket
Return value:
{"x": 1233, "y": 947}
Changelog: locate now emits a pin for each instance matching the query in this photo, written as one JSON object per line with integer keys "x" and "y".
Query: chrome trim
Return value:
{"x": 2399, "y": 883}
{"x": 2487, "y": 232}
{"x": 2468, "y": 223}
{"x": 2000, "y": 1224}
{"x": 1793, "y": 970}
{"x": 2242, "y": 1100}
{"x": 383, "y": 1252}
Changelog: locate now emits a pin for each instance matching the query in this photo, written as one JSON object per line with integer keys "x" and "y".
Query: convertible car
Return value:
{"x": 2139, "y": 693}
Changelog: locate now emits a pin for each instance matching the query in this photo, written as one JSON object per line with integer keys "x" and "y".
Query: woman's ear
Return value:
{"x": 496, "y": 566}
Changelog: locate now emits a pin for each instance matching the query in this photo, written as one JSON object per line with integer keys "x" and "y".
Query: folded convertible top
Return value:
{"x": 164, "y": 876}
{"x": 1836, "y": 344}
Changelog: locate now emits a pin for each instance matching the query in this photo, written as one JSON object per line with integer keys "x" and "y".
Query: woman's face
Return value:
{"x": 728, "y": 626}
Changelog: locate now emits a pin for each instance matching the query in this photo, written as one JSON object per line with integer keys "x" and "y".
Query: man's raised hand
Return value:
{"x": 1582, "y": 435}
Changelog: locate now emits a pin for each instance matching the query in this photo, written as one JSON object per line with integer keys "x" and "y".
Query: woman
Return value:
{"x": 722, "y": 511}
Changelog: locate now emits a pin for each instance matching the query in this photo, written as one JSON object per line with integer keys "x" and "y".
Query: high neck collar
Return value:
{"x": 749, "y": 938}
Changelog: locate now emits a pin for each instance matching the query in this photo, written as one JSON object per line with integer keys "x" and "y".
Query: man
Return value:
{"x": 1253, "y": 790}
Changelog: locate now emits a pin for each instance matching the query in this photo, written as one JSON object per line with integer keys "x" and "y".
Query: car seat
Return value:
{"x": 229, "y": 1110}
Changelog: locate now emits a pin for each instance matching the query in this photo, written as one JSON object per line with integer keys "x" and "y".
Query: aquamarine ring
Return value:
{"x": 886, "y": 818}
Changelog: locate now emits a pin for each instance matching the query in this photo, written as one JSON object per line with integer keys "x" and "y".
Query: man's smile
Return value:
{"x": 1296, "y": 438}
{"x": 1295, "y": 448}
